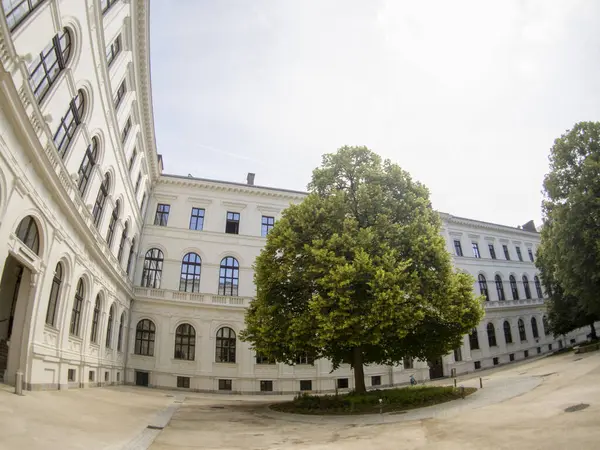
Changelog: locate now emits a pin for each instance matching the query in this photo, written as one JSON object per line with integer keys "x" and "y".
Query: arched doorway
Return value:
{"x": 16, "y": 285}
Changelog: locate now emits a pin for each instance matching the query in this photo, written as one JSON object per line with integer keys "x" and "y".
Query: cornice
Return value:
{"x": 141, "y": 55}
{"x": 450, "y": 219}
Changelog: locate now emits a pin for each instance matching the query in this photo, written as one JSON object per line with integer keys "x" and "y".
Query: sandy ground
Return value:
{"x": 521, "y": 406}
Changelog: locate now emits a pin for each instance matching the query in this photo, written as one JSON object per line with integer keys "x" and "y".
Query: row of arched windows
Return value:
{"x": 491, "y": 332}
{"x": 185, "y": 342}
{"x": 483, "y": 288}
{"x": 191, "y": 265}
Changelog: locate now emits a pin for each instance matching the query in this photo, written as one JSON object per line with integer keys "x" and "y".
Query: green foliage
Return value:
{"x": 368, "y": 402}
{"x": 569, "y": 255}
{"x": 358, "y": 272}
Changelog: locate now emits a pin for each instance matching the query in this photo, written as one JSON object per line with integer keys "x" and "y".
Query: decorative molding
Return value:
{"x": 239, "y": 206}
{"x": 199, "y": 201}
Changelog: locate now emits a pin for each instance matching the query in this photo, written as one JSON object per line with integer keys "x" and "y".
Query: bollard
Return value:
{"x": 455, "y": 383}
{"x": 19, "y": 383}
{"x": 480, "y": 383}
{"x": 462, "y": 392}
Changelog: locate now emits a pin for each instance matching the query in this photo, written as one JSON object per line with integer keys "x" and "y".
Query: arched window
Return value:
{"x": 28, "y": 234}
{"x": 483, "y": 289}
{"x": 130, "y": 257}
{"x": 522, "y": 334}
{"x": 474, "y": 339}
{"x": 122, "y": 243}
{"x": 110, "y": 234}
{"x": 69, "y": 123}
{"x": 109, "y": 326}
{"x": 190, "y": 273}
{"x": 17, "y": 11}
{"x": 77, "y": 307}
{"x": 101, "y": 200}
{"x": 513, "y": 287}
{"x": 45, "y": 68}
{"x": 152, "y": 268}
{"x": 507, "y": 332}
{"x": 491, "y": 332}
{"x": 225, "y": 345}
{"x": 534, "y": 328}
{"x": 120, "y": 337}
{"x": 546, "y": 325}
{"x": 87, "y": 165}
{"x": 229, "y": 276}
{"x": 144, "y": 338}
{"x": 54, "y": 293}
{"x": 538, "y": 287}
{"x": 499, "y": 287}
{"x": 526, "y": 286}
{"x": 185, "y": 342}
{"x": 95, "y": 321}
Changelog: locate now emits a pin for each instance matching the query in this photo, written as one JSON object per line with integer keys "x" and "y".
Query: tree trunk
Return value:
{"x": 594, "y": 336}
{"x": 359, "y": 373}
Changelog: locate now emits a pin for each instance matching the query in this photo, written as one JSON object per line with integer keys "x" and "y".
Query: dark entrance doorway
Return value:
{"x": 436, "y": 368}
{"x": 141, "y": 378}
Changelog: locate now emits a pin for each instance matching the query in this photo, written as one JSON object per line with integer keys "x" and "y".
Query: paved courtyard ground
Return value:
{"x": 521, "y": 406}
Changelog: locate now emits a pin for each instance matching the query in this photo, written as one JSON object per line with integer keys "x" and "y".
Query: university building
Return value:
{"x": 113, "y": 272}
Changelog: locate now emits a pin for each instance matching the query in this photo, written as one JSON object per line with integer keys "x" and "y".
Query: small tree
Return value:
{"x": 358, "y": 272}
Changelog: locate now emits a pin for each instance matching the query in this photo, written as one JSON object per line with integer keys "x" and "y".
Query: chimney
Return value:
{"x": 250, "y": 179}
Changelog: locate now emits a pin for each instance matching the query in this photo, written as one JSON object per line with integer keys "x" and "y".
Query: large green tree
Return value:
{"x": 570, "y": 239}
{"x": 358, "y": 272}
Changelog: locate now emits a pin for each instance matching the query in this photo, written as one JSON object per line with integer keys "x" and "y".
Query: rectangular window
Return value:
{"x": 496, "y": 361}
{"x": 342, "y": 383}
{"x": 305, "y": 359}
{"x": 506, "y": 254}
{"x": 519, "y": 253}
{"x": 233, "y": 223}
{"x": 458, "y": 354}
{"x": 183, "y": 382}
{"x": 477, "y": 365}
{"x": 71, "y": 375}
{"x": 262, "y": 359}
{"x": 267, "y": 225}
{"x": 526, "y": 354}
{"x": 137, "y": 183}
{"x": 162, "y": 214}
{"x": 197, "y": 219}
{"x": 408, "y": 363}
{"x": 113, "y": 50}
{"x": 511, "y": 357}
{"x": 474, "y": 340}
{"x": 530, "y": 251}
{"x": 120, "y": 94}
{"x": 225, "y": 385}
{"x": 476, "y": 250}
{"x": 458, "y": 248}
{"x": 126, "y": 130}
{"x": 132, "y": 158}
{"x": 266, "y": 386}
{"x": 92, "y": 375}
{"x": 376, "y": 380}
{"x": 492, "y": 251}
{"x": 306, "y": 385}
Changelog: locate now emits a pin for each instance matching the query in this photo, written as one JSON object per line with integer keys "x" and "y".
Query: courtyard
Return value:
{"x": 547, "y": 403}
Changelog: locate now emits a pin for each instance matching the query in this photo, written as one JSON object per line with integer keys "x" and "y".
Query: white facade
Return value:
{"x": 80, "y": 184}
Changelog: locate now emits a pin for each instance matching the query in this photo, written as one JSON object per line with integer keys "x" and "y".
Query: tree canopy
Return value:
{"x": 570, "y": 239}
{"x": 358, "y": 272}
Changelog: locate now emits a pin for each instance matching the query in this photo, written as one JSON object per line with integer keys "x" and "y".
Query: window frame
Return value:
{"x": 120, "y": 94}
{"x": 124, "y": 235}
{"x": 519, "y": 254}
{"x": 162, "y": 214}
{"x": 145, "y": 338}
{"x": 45, "y": 69}
{"x": 474, "y": 339}
{"x": 54, "y": 297}
{"x": 507, "y": 332}
{"x": 31, "y": 5}
{"x": 458, "y": 247}
{"x": 184, "y": 348}
{"x": 75, "y": 324}
{"x": 526, "y": 287}
{"x": 29, "y": 234}
{"x": 491, "y": 333}
{"x": 126, "y": 130}
{"x": 483, "y": 287}
{"x": 492, "y": 251}
{"x": 103, "y": 192}
{"x": 95, "y": 321}
{"x": 522, "y": 330}
{"x": 132, "y": 159}
{"x": 120, "y": 334}
{"x": 475, "y": 247}
{"x": 538, "y": 287}
{"x": 534, "y": 328}
{"x": 109, "y": 326}
{"x": 89, "y": 161}
{"x": 232, "y": 223}
{"x": 229, "y": 272}
{"x": 267, "y": 224}
{"x": 506, "y": 252}
{"x": 197, "y": 219}
{"x": 191, "y": 270}
{"x": 499, "y": 287}
{"x": 513, "y": 287}
{"x": 114, "y": 50}
{"x": 152, "y": 271}
{"x": 69, "y": 124}
{"x": 530, "y": 252}
{"x": 225, "y": 346}
{"x": 112, "y": 224}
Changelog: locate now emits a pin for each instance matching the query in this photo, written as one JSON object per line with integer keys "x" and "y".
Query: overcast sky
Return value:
{"x": 467, "y": 96}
